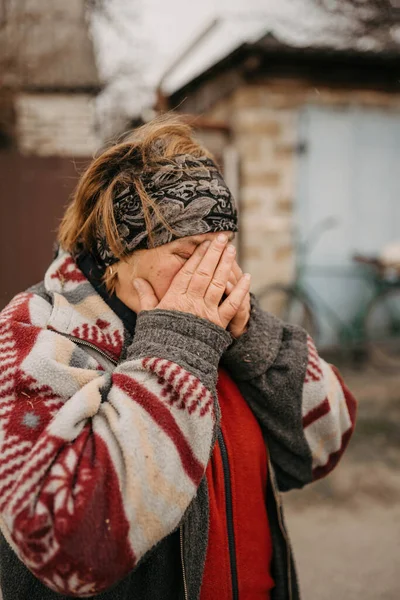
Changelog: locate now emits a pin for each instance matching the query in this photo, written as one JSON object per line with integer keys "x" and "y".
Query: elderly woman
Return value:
{"x": 150, "y": 412}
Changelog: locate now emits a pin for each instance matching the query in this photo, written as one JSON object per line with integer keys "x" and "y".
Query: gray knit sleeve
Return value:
{"x": 254, "y": 352}
{"x": 192, "y": 342}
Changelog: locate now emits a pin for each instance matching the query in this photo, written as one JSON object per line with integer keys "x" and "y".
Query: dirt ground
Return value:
{"x": 346, "y": 529}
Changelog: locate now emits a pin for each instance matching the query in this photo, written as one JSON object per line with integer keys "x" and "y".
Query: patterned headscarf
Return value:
{"x": 190, "y": 194}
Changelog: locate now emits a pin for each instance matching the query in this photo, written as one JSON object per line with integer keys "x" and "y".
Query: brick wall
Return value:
{"x": 56, "y": 124}
{"x": 264, "y": 119}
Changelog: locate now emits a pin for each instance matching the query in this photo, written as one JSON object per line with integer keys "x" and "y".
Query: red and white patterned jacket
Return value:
{"x": 108, "y": 444}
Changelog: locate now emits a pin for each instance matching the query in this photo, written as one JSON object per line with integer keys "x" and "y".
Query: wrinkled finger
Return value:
{"x": 204, "y": 273}
{"x": 221, "y": 276}
{"x": 232, "y": 278}
{"x": 235, "y": 275}
{"x": 230, "y": 286}
{"x": 233, "y": 302}
{"x": 181, "y": 281}
{"x": 237, "y": 270}
{"x": 246, "y": 303}
{"x": 147, "y": 297}
{"x": 245, "y": 306}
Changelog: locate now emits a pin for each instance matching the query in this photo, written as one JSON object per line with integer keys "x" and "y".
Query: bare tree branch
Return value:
{"x": 116, "y": 24}
{"x": 378, "y": 19}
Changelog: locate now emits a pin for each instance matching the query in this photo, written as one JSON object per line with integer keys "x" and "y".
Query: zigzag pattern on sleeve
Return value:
{"x": 329, "y": 412}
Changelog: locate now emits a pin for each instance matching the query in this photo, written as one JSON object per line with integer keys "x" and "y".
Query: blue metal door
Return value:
{"x": 349, "y": 168}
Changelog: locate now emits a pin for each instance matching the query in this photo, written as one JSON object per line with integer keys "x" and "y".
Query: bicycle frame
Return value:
{"x": 350, "y": 334}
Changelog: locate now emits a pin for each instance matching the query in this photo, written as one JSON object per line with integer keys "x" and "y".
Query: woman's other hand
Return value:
{"x": 239, "y": 323}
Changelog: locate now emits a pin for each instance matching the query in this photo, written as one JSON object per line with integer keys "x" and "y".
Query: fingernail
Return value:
{"x": 136, "y": 284}
{"x": 247, "y": 276}
{"x": 231, "y": 249}
{"x": 222, "y": 238}
{"x": 206, "y": 243}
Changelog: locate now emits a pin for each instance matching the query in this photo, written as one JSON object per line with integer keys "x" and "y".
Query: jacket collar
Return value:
{"x": 79, "y": 311}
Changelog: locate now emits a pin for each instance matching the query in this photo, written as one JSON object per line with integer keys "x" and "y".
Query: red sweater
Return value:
{"x": 247, "y": 458}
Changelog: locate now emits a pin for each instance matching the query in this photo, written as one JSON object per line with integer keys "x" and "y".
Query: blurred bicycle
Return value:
{"x": 373, "y": 332}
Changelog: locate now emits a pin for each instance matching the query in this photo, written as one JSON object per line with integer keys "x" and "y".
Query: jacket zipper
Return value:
{"x": 282, "y": 528}
{"x": 229, "y": 515}
{"x": 185, "y": 591}
{"x": 90, "y": 345}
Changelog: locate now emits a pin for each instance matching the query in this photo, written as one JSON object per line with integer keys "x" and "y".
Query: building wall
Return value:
{"x": 54, "y": 139}
{"x": 34, "y": 193}
{"x": 48, "y": 131}
{"x": 46, "y": 44}
{"x": 264, "y": 119}
{"x": 56, "y": 124}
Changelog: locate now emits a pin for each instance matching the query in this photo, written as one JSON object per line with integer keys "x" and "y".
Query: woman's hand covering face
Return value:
{"x": 200, "y": 284}
{"x": 238, "y": 325}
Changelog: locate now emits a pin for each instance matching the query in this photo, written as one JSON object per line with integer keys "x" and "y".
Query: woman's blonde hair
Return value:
{"x": 113, "y": 170}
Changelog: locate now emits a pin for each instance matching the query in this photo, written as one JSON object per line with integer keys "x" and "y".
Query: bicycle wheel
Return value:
{"x": 382, "y": 329}
{"x": 289, "y": 306}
